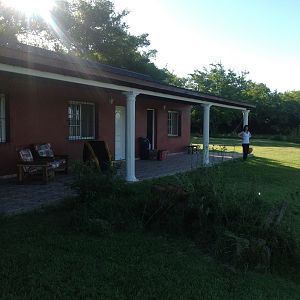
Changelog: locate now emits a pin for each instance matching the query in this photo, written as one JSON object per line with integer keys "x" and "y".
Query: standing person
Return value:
{"x": 245, "y": 135}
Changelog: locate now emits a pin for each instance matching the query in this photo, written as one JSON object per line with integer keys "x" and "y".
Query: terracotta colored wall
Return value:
{"x": 38, "y": 113}
{"x": 172, "y": 144}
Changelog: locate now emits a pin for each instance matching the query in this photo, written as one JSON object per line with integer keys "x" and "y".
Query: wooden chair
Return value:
{"x": 44, "y": 152}
{"x": 29, "y": 168}
{"x": 98, "y": 153}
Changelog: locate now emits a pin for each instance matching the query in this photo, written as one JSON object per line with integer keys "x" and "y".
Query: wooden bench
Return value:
{"x": 28, "y": 167}
{"x": 41, "y": 170}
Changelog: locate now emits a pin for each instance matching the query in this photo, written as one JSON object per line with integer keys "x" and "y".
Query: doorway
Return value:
{"x": 151, "y": 127}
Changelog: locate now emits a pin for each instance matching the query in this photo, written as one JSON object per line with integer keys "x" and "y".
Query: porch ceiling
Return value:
{"x": 32, "y": 61}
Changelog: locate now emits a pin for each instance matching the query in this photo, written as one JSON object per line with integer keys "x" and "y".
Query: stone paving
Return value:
{"x": 147, "y": 169}
{"x": 16, "y": 199}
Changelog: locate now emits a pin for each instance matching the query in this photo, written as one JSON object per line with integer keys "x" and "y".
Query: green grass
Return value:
{"x": 274, "y": 171}
{"x": 275, "y": 168}
{"x": 43, "y": 257}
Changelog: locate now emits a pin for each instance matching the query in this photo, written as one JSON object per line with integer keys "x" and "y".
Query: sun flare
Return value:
{"x": 40, "y": 8}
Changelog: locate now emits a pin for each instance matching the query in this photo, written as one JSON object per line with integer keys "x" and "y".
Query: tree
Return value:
{"x": 216, "y": 80}
{"x": 93, "y": 29}
{"x": 173, "y": 79}
{"x": 291, "y": 95}
{"x": 86, "y": 28}
{"x": 275, "y": 113}
{"x": 12, "y": 23}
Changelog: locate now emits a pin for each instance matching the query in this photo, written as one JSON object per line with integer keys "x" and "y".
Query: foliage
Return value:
{"x": 291, "y": 95}
{"x": 93, "y": 29}
{"x": 105, "y": 197}
{"x": 86, "y": 28}
{"x": 275, "y": 113}
{"x": 218, "y": 81}
{"x": 90, "y": 184}
{"x": 43, "y": 257}
{"x": 231, "y": 224}
{"x": 175, "y": 80}
{"x": 227, "y": 223}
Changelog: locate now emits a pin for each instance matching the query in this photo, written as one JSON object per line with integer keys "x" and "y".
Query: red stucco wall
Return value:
{"x": 38, "y": 113}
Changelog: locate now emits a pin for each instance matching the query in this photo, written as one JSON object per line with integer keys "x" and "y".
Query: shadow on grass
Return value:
{"x": 254, "y": 142}
{"x": 56, "y": 258}
{"x": 265, "y": 171}
{"x": 272, "y": 143}
{"x": 273, "y": 167}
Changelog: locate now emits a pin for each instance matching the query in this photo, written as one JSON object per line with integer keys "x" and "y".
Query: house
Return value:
{"x": 52, "y": 97}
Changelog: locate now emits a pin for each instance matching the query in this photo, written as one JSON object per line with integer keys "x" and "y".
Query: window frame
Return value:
{"x": 171, "y": 120}
{"x": 3, "y": 119}
{"x": 79, "y": 136}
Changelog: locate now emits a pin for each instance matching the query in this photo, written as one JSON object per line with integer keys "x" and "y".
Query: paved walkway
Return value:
{"x": 16, "y": 199}
{"x": 147, "y": 169}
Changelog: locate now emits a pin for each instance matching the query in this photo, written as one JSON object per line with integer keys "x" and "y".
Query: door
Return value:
{"x": 120, "y": 132}
{"x": 151, "y": 127}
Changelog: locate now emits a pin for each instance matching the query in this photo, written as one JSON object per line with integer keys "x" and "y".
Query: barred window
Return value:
{"x": 173, "y": 123}
{"x": 2, "y": 119}
{"x": 81, "y": 116}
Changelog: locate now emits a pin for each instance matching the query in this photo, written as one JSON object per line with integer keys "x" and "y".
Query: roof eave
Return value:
{"x": 38, "y": 63}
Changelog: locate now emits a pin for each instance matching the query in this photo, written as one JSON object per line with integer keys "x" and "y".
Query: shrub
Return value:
{"x": 164, "y": 209}
{"x": 229, "y": 224}
{"x": 90, "y": 184}
{"x": 233, "y": 226}
{"x": 103, "y": 196}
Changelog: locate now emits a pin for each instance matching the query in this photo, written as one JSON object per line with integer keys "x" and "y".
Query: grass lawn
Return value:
{"x": 43, "y": 257}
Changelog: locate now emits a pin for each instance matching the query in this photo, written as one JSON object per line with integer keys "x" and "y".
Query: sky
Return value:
{"x": 258, "y": 36}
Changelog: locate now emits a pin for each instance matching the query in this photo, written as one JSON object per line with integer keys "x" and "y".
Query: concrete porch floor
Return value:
{"x": 177, "y": 163}
{"x": 17, "y": 199}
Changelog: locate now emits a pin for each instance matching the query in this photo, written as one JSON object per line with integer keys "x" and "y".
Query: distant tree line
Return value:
{"x": 275, "y": 113}
{"x": 92, "y": 29}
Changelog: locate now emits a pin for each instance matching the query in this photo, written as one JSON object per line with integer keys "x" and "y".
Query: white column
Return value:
{"x": 245, "y": 117}
{"x": 206, "y": 112}
{"x": 130, "y": 136}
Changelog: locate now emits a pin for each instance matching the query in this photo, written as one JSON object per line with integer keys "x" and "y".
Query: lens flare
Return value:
{"x": 40, "y": 8}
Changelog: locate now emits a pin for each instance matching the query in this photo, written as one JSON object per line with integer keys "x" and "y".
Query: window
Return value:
{"x": 173, "y": 123}
{"x": 81, "y": 116}
{"x": 2, "y": 119}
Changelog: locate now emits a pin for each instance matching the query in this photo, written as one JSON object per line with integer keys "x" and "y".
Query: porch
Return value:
{"x": 16, "y": 199}
{"x": 179, "y": 163}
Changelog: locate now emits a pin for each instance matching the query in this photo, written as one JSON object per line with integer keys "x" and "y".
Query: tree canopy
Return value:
{"x": 86, "y": 28}
{"x": 275, "y": 113}
{"x": 93, "y": 29}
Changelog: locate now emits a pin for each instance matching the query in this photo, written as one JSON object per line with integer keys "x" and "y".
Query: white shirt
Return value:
{"x": 246, "y": 137}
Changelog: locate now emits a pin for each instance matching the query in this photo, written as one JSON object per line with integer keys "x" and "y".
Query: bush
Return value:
{"x": 107, "y": 197}
{"x": 90, "y": 184}
{"x": 229, "y": 224}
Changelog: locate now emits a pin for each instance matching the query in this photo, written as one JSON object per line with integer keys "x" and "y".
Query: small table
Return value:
{"x": 192, "y": 149}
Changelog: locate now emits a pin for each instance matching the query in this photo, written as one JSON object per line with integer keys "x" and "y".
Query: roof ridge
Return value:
{"x": 75, "y": 59}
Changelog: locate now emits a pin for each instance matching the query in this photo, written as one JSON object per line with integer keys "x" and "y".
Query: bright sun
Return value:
{"x": 40, "y": 8}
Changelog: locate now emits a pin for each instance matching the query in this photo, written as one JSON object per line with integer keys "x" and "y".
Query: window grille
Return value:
{"x": 81, "y": 117}
{"x": 2, "y": 119}
{"x": 173, "y": 123}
